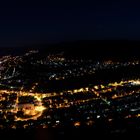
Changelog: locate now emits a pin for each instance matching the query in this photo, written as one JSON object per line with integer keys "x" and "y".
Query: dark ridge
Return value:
{"x": 91, "y": 49}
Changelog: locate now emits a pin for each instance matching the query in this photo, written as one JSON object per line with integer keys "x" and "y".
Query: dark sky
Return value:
{"x": 58, "y": 21}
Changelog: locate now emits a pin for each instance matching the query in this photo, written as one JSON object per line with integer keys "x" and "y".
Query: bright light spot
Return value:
{"x": 77, "y": 124}
{"x": 40, "y": 108}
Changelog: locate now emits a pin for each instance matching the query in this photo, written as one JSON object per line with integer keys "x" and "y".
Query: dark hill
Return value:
{"x": 122, "y": 49}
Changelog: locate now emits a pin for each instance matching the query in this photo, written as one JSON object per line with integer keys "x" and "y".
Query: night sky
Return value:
{"x": 61, "y": 21}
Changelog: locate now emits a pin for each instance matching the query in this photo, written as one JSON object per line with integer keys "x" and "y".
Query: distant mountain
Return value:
{"x": 95, "y": 49}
